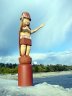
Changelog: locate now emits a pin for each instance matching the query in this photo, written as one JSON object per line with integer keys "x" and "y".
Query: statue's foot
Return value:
{"x": 25, "y": 59}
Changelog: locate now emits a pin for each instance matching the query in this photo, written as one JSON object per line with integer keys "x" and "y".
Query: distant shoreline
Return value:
{"x": 37, "y": 75}
{"x": 50, "y": 74}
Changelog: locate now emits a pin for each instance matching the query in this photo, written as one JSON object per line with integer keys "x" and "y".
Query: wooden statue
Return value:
{"x": 25, "y": 76}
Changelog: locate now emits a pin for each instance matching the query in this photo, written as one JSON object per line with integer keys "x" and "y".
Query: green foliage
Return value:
{"x": 13, "y": 68}
{"x": 51, "y": 68}
{"x": 8, "y": 68}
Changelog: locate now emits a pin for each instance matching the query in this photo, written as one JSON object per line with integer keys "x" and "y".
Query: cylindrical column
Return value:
{"x": 25, "y": 75}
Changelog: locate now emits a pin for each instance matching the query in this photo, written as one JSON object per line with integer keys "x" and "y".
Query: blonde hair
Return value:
{"x": 22, "y": 24}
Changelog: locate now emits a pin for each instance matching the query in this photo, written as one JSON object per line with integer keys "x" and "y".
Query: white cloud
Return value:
{"x": 35, "y": 62}
{"x": 9, "y": 59}
{"x": 37, "y": 56}
{"x": 64, "y": 57}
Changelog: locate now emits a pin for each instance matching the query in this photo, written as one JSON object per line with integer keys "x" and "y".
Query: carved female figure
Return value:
{"x": 25, "y": 34}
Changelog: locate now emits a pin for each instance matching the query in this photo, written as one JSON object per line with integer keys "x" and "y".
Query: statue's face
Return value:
{"x": 26, "y": 21}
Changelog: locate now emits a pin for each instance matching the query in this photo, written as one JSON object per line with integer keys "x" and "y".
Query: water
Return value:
{"x": 63, "y": 80}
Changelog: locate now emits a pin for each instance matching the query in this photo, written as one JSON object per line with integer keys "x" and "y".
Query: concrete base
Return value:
{"x": 25, "y": 77}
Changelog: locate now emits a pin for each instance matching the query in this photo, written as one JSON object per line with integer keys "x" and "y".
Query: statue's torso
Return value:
{"x": 25, "y": 32}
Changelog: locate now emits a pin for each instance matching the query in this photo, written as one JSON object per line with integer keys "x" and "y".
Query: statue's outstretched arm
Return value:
{"x": 42, "y": 25}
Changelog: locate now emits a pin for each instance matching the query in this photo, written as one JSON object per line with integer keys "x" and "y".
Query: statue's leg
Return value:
{"x": 28, "y": 50}
{"x": 23, "y": 50}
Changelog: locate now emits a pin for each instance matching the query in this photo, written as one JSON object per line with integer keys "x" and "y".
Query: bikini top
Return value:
{"x": 26, "y": 29}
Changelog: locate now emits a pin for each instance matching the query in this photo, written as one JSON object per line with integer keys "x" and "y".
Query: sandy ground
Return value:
{"x": 39, "y": 75}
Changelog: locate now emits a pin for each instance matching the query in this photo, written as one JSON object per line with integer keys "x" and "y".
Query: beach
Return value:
{"x": 9, "y": 86}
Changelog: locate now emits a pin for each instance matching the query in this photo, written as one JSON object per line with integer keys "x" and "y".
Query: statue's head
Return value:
{"x": 25, "y": 18}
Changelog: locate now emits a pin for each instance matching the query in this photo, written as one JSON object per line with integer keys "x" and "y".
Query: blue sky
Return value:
{"x": 52, "y": 44}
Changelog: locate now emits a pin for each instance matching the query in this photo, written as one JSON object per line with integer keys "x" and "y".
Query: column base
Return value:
{"x": 25, "y": 77}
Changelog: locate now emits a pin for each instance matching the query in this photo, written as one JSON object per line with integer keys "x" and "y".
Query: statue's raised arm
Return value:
{"x": 42, "y": 25}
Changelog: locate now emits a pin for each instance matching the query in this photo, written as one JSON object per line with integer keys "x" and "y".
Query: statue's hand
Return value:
{"x": 42, "y": 25}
